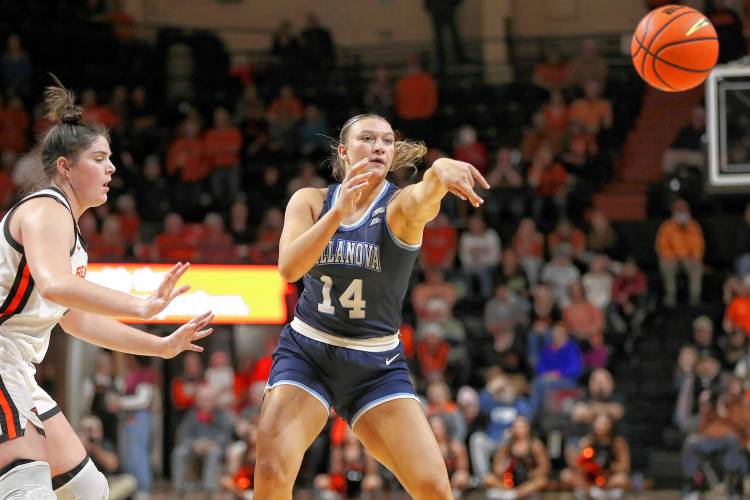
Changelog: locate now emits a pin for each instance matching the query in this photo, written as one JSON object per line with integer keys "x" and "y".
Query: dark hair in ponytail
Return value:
{"x": 69, "y": 135}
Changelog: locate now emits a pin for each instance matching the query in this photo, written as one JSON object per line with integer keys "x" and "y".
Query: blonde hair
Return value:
{"x": 407, "y": 153}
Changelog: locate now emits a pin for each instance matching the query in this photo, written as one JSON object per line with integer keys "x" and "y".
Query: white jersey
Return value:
{"x": 27, "y": 318}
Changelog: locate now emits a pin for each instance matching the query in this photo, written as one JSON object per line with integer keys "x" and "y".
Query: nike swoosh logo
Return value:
{"x": 388, "y": 361}
{"x": 698, "y": 25}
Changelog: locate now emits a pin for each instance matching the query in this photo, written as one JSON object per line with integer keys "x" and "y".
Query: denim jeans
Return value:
{"x": 135, "y": 444}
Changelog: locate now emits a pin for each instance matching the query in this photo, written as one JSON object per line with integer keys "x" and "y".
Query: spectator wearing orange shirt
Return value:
{"x": 216, "y": 245}
{"x": 553, "y": 73}
{"x": 469, "y": 149}
{"x": 680, "y": 244}
{"x": 592, "y": 111}
{"x": 737, "y": 315}
{"x": 184, "y": 386}
{"x": 415, "y": 100}
{"x": 93, "y": 112}
{"x": 222, "y": 146}
{"x": 549, "y": 180}
{"x": 284, "y": 114}
{"x": 433, "y": 286}
{"x": 582, "y": 318}
{"x": 14, "y": 123}
{"x": 173, "y": 244}
{"x": 439, "y": 243}
{"x": 556, "y": 119}
{"x": 187, "y": 161}
{"x": 109, "y": 245}
{"x": 127, "y": 215}
{"x": 566, "y": 232}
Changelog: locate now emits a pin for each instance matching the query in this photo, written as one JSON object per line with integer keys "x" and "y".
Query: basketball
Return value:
{"x": 674, "y": 48}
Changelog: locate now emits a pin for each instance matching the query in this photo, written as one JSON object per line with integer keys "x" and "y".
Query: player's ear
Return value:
{"x": 343, "y": 154}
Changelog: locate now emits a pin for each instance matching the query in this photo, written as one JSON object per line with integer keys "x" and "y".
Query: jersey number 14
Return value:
{"x": 351, "y": 299}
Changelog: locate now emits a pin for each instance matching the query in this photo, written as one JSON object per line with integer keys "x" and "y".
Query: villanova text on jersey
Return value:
{"x": 351, "y": 253}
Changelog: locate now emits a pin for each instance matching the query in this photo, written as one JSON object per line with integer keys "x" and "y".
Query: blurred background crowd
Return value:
{"x": 560, "y": 337}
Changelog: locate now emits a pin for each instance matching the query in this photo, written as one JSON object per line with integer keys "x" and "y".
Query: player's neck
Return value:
{"x": 70, "y": 195}
{"x": 369, "y": 194}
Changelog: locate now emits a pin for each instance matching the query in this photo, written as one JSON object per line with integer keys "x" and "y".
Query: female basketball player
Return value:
{"x": 41, "y": 245}
{"x": 355, "y": 243}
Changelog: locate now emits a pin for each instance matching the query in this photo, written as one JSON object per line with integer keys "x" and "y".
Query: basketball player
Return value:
{"x": 355, "y": 243}
{"x": 40, "y": 246}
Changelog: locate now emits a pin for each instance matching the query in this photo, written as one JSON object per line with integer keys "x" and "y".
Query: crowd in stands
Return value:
{"x": 516, "y": 314}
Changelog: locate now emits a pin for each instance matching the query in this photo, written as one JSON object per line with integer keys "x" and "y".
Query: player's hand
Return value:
{"x": 350, "y": 192}
{"x": 182, "y": 339}
{"x": 166, "y": 292}
{"x": 459, "y": 178}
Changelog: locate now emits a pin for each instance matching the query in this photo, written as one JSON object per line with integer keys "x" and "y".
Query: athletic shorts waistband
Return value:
{"x": 377, "y": 344}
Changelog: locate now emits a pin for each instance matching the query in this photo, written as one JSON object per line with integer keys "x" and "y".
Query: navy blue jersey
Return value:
{"x": 357, "y": 287}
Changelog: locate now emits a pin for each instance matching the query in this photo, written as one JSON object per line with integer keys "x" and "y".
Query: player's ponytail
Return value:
{"x": 69, "y": 134}
{"x": 407, "y": 153}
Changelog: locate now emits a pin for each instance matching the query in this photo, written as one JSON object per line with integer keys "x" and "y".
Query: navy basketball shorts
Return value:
{"x": 349, "y": 380}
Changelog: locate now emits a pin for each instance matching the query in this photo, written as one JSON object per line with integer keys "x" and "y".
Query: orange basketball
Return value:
{"x": 674, "y": 48}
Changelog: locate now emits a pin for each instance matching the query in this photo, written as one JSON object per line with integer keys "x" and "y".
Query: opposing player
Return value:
{"x": 355, "y": 243}
{"x": 42, "y": 261}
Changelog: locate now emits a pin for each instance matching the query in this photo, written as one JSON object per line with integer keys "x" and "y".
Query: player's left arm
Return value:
{"x": 111, "y": 334}
{"x": 419, "y": 203}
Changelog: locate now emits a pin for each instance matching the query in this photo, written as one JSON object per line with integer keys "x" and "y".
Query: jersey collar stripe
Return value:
{"x": 361, "y": 220}
{"x": 9, "y": 418}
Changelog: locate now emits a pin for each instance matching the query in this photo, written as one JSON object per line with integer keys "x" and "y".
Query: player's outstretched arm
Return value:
{"x": 420, "y": 202}
{"x": 47, "y": 232}
{"x": 111, "y": 334}
{"x": 303, "y": 239}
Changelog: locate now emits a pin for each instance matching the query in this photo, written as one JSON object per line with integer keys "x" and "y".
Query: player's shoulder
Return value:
{"x": 40, "y": 203}
{"x": 308, "y": 198}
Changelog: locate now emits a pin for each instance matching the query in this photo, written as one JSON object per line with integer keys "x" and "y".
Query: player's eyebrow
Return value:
{"x": 375, "y": 133}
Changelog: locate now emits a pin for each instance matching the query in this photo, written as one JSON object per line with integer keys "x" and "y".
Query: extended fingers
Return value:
{"x": 478, "y": 176}
{"x": 179, "y": 291}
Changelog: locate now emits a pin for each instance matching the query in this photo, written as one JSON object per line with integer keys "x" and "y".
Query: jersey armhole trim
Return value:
{"x": 17, "y": 246}
{"x": 399, "y": 242}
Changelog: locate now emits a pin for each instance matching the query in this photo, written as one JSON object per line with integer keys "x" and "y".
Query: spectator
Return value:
{"x": 592, "y": 111}
{"x": 378, "y": 97}
{"x": 219, "y": 377}
{"x": 443, "y": 16}
{"x": 566, "y": 233}
{"x": 439, "y": 402}
{"x": 432, "y": 352}
{"x": 136, "y": 409}
{"x": 508, "y": 188}
{"x": 97, "y": 389}
{"x": 600, "y": 399}
{"x": 588, "y": 64}
{"x": 533, "y": 137}
{"x": 553, "y": 73}
{"x": 175, "y": 244}
{"x": 437, "y": 311}
{"x": 186, "y": 159}
{"x": 528, "y": 243}
{"x": 415, "y": 99}
{"x": 454, "y": 454}
{"x": 152, "y": 195}
{"x": 544, "y": 310}
{"x": 468, "y": 148}
{"x": 285, "y": 47}
{"x": 556, "y": 120}
{"x": 128, "y": 219}
{"x": 317, "y": 48}
{"x": 202, "y": 434}
{"x": 510, "y": 274}
{"x": 438, "y": 244}
{"x": 582, "y": 318}
{"x": 703, "y": 337}
{"x": 103, "y": 454}
{"x": 265, "y": 250}
{"x": 433, "y": 286}
{"x": 737, "y": 315}
{"x": 506, "y": 350}
{"x": 240, "y": 227}
{"x": 222, "y": 146}
{"x": 559, "y": 366}
{"x": 94, "y": 112}
{"x": 602, "y": 237}
{"x": 598, "y": 282}
{"x": 687, "y": 359}
{"x": 505, "y": 308}
{"x": 284, "y": 114}
{"x": 352, "y": 470}
{"x": 680, "y": 244}
{"x": 722, "y": 433}
{"x": 109, "y": 245}
{"x": 688, "y": 147}
{"x": 270, "y": 192}
{"x": 629, "y": 292}
{"x": 16, "y": 66}
{"x": 479, "y": 253}
{"x": 705, "y": 381}
{"x": 549, "y": 181}
{"x": 307, "y": 177}
{"x": 521, "y": 467}
{"x": 239, "y": 481}
{"x": 467, "y": 401}
{"x": 255, "y": 133}
{"x": 216, "y": 244}
{"x": 560, "y": 273}
{"x": 602, "y": 468}
{"x": 579, "y": 154}
{"x": 186, "y": 385}
{"x": 313, "y": 133}
{"x": 734, "y": 347}
{"x": 14, "y": 124}
{"x": 500, "y": 406}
